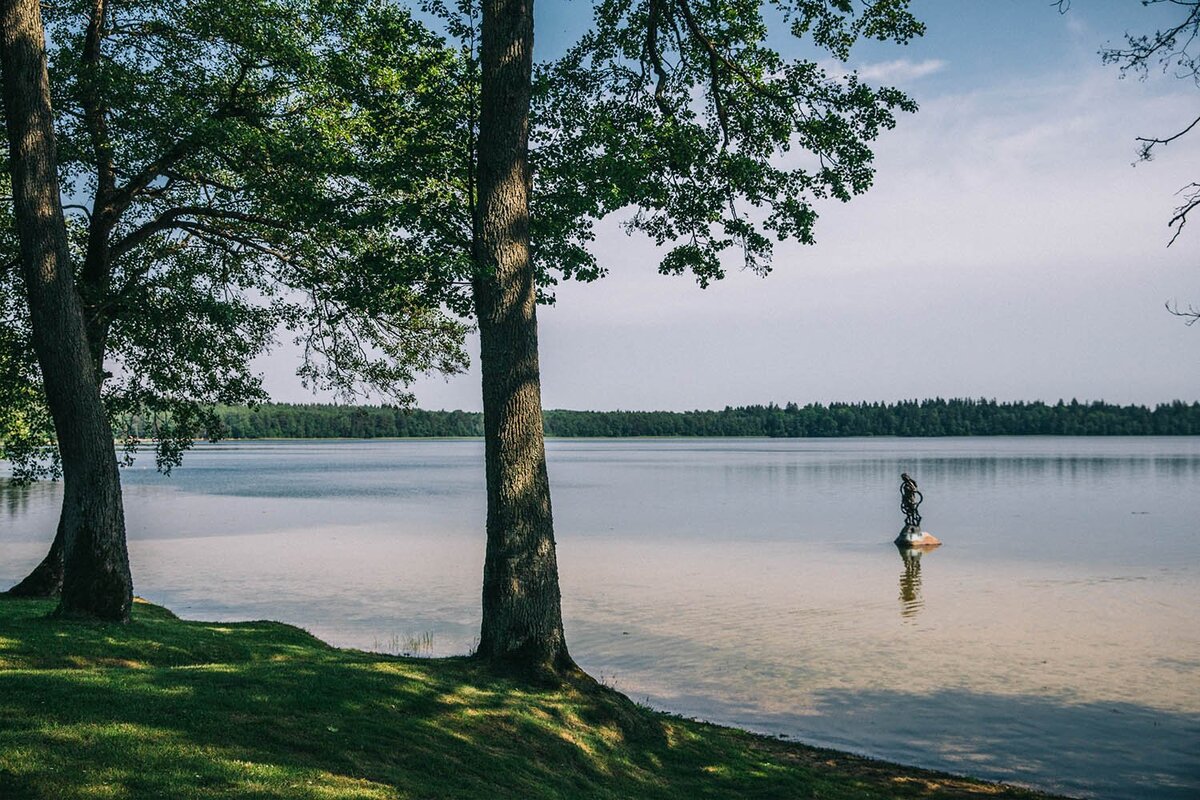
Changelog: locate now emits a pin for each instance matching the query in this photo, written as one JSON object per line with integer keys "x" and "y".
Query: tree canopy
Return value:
{"x": 684, "y": 114}
{"x": 231, "y": 172}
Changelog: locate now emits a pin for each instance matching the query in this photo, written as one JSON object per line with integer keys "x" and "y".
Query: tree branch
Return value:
{"x": 173, "y": 218}
{"x": 715, "y": 53}
{"x": 1148, "y": 143}
{"x": 655, "y": 57}
{"x": 95, "y": 112}
{"x": 181, "y": 148}
{"x": 1181, "y": 213}
{"x": 245, "y": 241}
{"x": 1191, "y": 314}
{"x": 96, "y": 274}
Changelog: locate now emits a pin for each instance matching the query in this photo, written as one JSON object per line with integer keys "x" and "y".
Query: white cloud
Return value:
{"x": 901, "y": 70}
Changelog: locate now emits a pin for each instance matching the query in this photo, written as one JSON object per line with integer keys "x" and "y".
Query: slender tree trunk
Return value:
{"x": 46, "y": 580}
{"x": 522, "y": 616}
{"x": 96, "y": 580}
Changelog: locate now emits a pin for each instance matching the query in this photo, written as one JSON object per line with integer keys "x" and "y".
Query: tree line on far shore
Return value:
{"x": 936, "y": 417}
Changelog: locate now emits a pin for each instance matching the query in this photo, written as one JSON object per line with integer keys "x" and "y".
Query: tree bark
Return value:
{"x": 522, "y": 616}
{"x": 96, "y": 580}
{"x": 93, "y": 282}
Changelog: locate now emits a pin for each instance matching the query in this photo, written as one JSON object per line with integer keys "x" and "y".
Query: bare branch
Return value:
{"x": 1148, "y": 143}
{"x": 1180, "y": 219}
{"x": 1191, "y": 314}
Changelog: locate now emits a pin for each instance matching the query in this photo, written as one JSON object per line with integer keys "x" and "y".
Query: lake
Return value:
{"x": 1053, "y": 641}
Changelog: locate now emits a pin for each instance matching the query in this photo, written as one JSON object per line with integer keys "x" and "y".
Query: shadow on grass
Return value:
{"x": 165, "y": 708}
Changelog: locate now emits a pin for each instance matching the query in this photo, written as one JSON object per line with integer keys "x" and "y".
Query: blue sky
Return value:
{"x": 1009, "y": 248}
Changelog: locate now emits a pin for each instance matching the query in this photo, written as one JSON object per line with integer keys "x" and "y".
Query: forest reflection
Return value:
{"x": 14, "y": 497}
{"x": 977, "y": 470}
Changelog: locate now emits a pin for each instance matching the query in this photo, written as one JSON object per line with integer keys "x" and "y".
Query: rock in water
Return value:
{"x": 912, "y": 536}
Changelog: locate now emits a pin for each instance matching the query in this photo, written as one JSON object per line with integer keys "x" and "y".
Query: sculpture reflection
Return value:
{"x": 911, "y": 601}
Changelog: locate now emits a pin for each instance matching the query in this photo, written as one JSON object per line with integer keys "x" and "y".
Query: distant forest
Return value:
{"x": 909, "y": 418}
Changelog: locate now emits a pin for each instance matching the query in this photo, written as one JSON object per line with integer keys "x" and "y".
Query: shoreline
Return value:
{"x": 167, "y": 707}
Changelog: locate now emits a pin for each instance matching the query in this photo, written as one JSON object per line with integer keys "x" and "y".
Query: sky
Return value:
{"x": 1008, "y": 249}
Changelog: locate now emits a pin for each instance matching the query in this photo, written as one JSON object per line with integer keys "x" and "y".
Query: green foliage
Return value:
{"x": 320, "y": 421}
{"x": 26, "y": 431}
{"x": 233, "y": 171}
{"x": 242, "y": 169}
{"x": 682, "y": 113}
{"x": 163, "y": 708}
{"x": 936, "y": 417}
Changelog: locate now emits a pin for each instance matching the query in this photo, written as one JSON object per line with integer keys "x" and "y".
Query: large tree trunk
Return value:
{"x": 95, "y": 276}
{"x": 522, "y": 616}
{"x": 96, "y": 580}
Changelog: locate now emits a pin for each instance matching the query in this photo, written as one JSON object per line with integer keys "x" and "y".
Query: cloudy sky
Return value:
{"x": 1008, "y": 249}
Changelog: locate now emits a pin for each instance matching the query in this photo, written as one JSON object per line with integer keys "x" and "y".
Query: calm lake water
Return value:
{"x": 1054, "y": 640}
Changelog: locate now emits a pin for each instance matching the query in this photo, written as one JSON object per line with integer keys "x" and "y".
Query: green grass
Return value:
{"x": 167, "y": 708}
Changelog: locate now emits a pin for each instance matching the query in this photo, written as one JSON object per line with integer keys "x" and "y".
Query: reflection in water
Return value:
{"x": 16, "y": 498}
{"x": 910, "y": 581}
{"x": 19, "y": 503}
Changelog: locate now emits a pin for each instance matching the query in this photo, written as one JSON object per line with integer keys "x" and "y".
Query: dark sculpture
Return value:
{"x": 910, "y": 500}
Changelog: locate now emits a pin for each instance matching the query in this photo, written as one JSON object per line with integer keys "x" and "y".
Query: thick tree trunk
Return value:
{"x": 522, "y": 616}
{"x": 94, "y": 279}
{"x": 46, "y": 580}
{"x": 96, "y": 581}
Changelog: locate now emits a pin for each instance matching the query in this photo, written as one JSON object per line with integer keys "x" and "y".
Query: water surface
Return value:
{"x": 1053, "y": 641}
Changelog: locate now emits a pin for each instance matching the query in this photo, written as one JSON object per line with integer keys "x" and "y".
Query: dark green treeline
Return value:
{"x": 909, "y": 418}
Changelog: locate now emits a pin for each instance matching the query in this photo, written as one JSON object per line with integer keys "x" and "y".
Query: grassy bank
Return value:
{"x": 173, "y": 709}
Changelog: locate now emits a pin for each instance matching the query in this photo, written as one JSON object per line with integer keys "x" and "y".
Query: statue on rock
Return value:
{"x": 910, "y": 502}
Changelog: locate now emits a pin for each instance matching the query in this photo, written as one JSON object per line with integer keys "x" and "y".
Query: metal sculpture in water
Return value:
{"x": 910, "y": 501}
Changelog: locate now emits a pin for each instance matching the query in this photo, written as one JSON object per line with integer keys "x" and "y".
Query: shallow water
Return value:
{"x": 1054, "y": 640}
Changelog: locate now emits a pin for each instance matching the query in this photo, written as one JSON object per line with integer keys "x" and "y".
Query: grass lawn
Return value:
{"x": 173, "y": 709}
